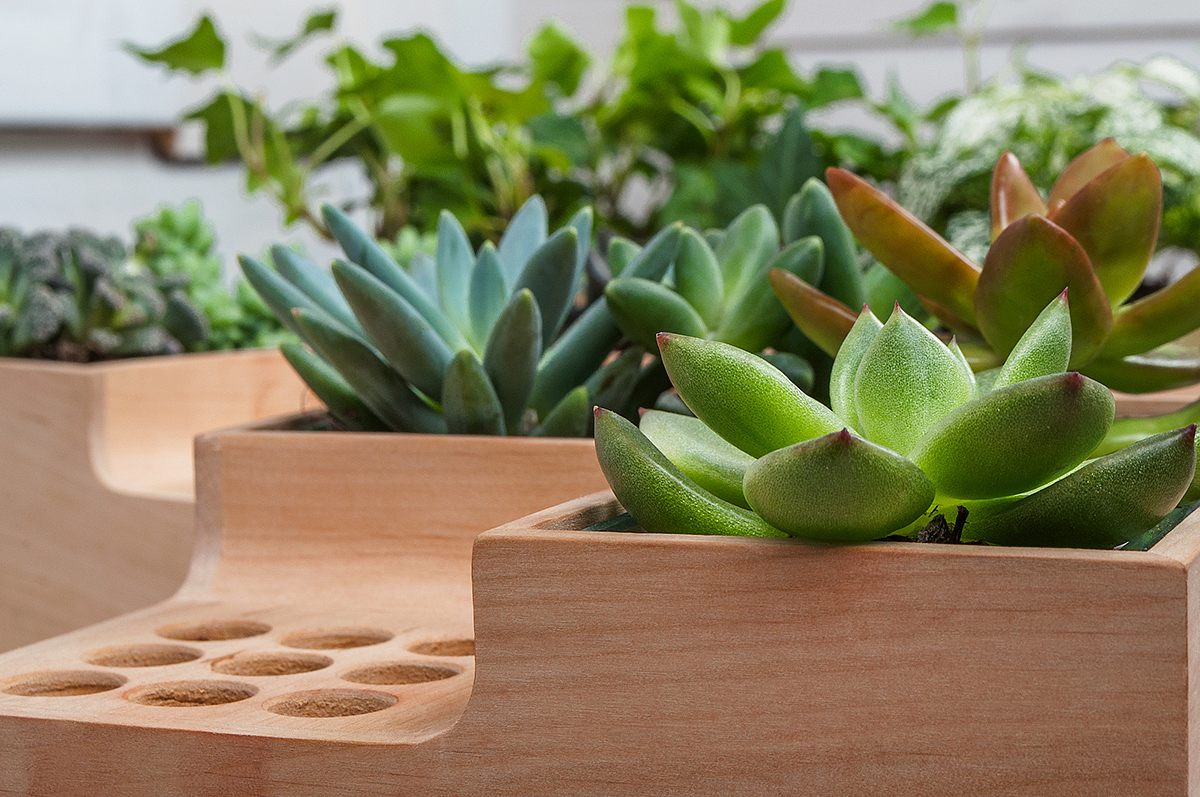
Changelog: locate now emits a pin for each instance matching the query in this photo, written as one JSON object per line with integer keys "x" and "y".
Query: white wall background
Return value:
{"x": 74, "y": 107}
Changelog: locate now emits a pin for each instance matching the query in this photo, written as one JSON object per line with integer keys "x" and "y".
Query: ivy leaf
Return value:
{"x": 556, "y": 58}
{"x": 200, "y": 51}
{"x": 744, "y": 32}
{"x": 317, "y": 22}
{"x": 934, "y": 18}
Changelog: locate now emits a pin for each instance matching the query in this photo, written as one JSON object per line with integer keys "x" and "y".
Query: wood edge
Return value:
{"x": 209, "y": 518}
{"x": 1182, "y": 543}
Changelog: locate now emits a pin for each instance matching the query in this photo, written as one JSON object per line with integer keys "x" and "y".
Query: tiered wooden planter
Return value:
{"x": 322, "y": 646}
{"x": 96, "y": 496}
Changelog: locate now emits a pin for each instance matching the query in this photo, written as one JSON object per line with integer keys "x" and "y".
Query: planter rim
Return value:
{"x": 33, "y": 363}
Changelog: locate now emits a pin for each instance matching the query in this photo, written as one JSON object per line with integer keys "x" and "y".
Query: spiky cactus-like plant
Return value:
{"x": 911, "y": 435}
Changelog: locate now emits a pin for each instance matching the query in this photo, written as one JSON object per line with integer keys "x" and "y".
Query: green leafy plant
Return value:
{"x": 176, "y": 245}
{"x": 472, "y": 342}
{"x": 911, "y": 433}
{"x": 74, "y": 296}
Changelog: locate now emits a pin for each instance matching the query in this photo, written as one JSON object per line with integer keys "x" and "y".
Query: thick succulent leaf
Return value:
{"x": 1031, "y": 262}
{"x": 794, "y": 367}
{"x": 1164, "y": 368}
{"x": 823, "y": 319}
{"x": 611, "y": 386}
{"x": 907, "y": 381}
{"x": 571, "y": 417}
{"x": 703, "y": 455}
{"x": 1116, "y": 217}
{"x": 1016, "y": 438}
{"x": 363, "y": 250}
{"x": 657, "y": 494}
{"x": 487, "y": 295}
{"x": 584, "y": 345}
{"x": 469, "y": 402}
{"x": 405, "y": 339}
{"x": 1085, "y": 167}
{"x": 757, "y": 319}
{"x": 837, "y": 487}
{"x": 282, "y": 296}
{"x": 741, "y": 397}
{"x": 845, "y": 365}
{"x": 643, "y": 308}
{"x": 1013, "y": 194}
{"x": 316, "y": 283}
{"x": 1044, "y": 349}
{"x": 1105, "y": 503}
{"x": 526, "y": 232}
{"x": 751, "y": 241}
{"x": 980, "y": 356}
{"x": 550, "y": 276}
{"x": 334, "y": 391}
{"x": 812, "y": 211}
{"x": 455, "y": 260}
{"x": 698, "y": 278}
{"x": 621, "y": 252}
{"x": 1159, "y": 318}
{"x": 512, "y": 355}
{"x": 423, "y": 269}
{"x": 963, "y": 363}
{"x": 905, "y": 245}
{"x": 375, "y": 382}
{"x": 1127, "y": 431}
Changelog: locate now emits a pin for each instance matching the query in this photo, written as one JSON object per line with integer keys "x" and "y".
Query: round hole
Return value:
{"x": 214, "y": 631}
{"x": 330, "y": 703}
{"x": 61, "y": 683}
{"x": 445, "y": 647}
{"x": 181, "y": 694}
{"x": 401, "y": 673}
{"x": 336, "y": 638}
{"x": 141, "y": 656}
{"x": 270, "y": 663}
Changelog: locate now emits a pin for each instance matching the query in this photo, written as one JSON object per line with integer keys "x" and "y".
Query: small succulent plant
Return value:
{"x": 719, "y": 288}
{"x": 911, "y": 435}
{"x": 1094, "y": 234}
{"x": 469, "y": 342}
{"x": 74, "y": 296}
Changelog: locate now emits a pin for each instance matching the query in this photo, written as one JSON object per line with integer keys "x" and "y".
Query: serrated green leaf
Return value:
{"x": 201, "y": 51}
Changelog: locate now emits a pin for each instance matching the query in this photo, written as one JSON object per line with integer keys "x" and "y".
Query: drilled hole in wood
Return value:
{"x": 445, "y": 647}
{"x": 270, "y": 663}
{"x": 401, "y": 673}
{"x": 214, "y": 631}
{"x": 336, "y": 638}
{"x": 183, "y": 694}
{"x": 330, "y": 703}
{"x": 61, "y": 683}
{"x": 141, "y": 656}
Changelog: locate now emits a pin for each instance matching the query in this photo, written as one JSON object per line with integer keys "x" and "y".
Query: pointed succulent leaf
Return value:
{"x": 550, "y": 276}
{"x": 657, "y": 494}
{"x": 845, "y": 365}
{"x": 837, "y": 487}
{"x": 703, "y": 455}
{"x": 405, "y": 339}
{"x": 582, "y": 223}
{"x": 469, "y": 402}
{"x": 1161, "y": 317}
{"x": 621, "y": 252}
{"x": 488, "y": 293}
{"x": 280, "y": 295}
{"x": 741, "y": 397}
{"x": 375, "y": 382}
{"x": 905, "y": 245}
{"x": 884, "y": 289}
{"x": 574, "y": 356}
{"x": 334, "y": 392}
{"x": 316, "y": 283}
{"x": 757, "y": 319}
{"x": 455, "y": 259}
{"x": 1126, "y": 431}
{"x": 1013, "y": 194}
{"x": 698, "y": 278}
{"x": 812, "y": 211}
{"x": 751, "y": 241}
{"x": 643, "y": 308}
{"x": 512, "y": 355}
{"x": 794, "y": 367}
{"x": 1016, "y": 438}
{"x": 611, "y": 385}
{"x": 907, "y": 381}
{"x": 963, "y": 363}
{"x": 571, "y": 417}
{"x": 423, "y": 269}
{"x": 823, "y": 319}
{"x": 526, "y": 232}
{"x": 1085, "y": 167}
{"x": 1116, "y": 217}
{"x": 1105, "y": 503}
{"x": 1164, "y": 368}
{"x": 363, "y": 250}
{"x": 1044, "y": 349}
{"x": 1031, "y": 262}
{"x": 657, "y": 255}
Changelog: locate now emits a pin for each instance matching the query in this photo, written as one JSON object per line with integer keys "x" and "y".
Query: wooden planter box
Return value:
{"x": 322, "y": 646}
{"x": 96, "y": 496}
